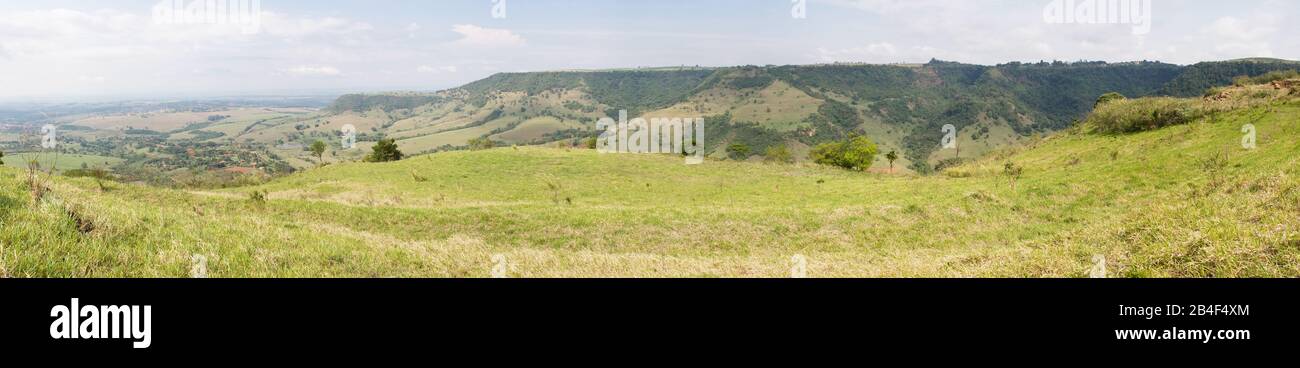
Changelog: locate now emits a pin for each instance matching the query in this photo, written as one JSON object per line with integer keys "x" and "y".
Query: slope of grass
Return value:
{"x": 62, "y": 161}
{"x": 1185, "y": 200}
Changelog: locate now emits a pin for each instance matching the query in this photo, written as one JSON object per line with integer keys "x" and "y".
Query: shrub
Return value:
{"x": 1266, "y": 78}
{"x": 1128, "y": 116}
{"x": 1013, "y": 172}
{"x": 779, "y": 154}
{"x": 1109, "y": 97}
{"x": 385, "y": 151}
{"x": 856, "y": 153}
{"x": 257, "y": 196}
{"x": 738, "y": 151}
{"x": 947, "y": 163}
{"x": 482, "y": 143}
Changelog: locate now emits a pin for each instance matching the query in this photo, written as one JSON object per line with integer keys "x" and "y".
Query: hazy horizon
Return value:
{"x": 72, "y": 49}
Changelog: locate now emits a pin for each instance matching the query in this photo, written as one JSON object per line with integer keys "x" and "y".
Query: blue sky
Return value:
{"x": 55, "y": 48}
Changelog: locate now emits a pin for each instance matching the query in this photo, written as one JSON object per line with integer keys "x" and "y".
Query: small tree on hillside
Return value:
{"x": 891, "y": 156}
{"x": 2, "y": 158}
{"x": 318, "y": 150}
{"x": 1013, "y": 171}
{"x": 384, "y": 151}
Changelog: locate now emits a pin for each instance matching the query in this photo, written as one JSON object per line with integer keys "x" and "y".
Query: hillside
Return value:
{"x": 1184, "y": 200}
{"x": 901, "y": 107}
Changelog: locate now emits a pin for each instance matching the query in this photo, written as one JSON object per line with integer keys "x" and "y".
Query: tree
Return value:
{"x": 779, "y": 153}
{"x": 1113, "y": 96}
{"x": 384, "y": 151}
{"x": 2, "y": 156}
{"x": 738, "y": 151}
{"x": 856, "y": 153}
{"x": 318, "y": 149}
{"x": 891, "y": 156}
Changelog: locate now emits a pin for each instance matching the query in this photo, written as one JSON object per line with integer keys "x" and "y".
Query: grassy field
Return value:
{"x": 64, "y": 161}
{"x": 1181, "y": 201}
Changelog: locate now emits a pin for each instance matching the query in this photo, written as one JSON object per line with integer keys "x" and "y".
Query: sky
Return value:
{"x": 126, "y": 48}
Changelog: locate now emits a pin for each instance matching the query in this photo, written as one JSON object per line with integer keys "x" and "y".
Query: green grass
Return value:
{"x": 1181, "y": 201}
{"x": 61, "y": 162}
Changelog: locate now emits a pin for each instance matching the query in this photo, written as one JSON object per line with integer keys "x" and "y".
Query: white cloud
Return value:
{"x": 93, "y": 79}
{"x": 472, "y": 35}
{"x": 1236, "y": 36}
{"x": 314, "y": 71}
{"x": 883, "y": 52}
{"x": 435, "y": 70}
{"x": 411, "y": 29}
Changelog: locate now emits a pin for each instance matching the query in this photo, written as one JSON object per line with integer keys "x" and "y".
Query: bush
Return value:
{"x": 856, "y": 153}
{"x": 479, "y": 144}
{"x": 738, "y": 151}
{"x": 1109, "y": 97}
{"x": 385, "y": 151}
{"x": 779, "y": 154}
{"x": 1128, "y": 116}
{"x": 1266, "y": 78}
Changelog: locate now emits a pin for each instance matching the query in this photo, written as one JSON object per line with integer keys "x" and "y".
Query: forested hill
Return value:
{"x": 902, "y": 107}
{"x": 1195, "y": 79}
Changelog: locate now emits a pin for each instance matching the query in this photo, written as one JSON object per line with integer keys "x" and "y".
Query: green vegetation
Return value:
{"x": 1200, "y": 77}
{"x": 388, "y": 103}
{"x": 856, "y": 153}
{"x": 481, "y": 143}
{"x": 1129, "y": 116}
{"x": 778, "y": 154}
{"x": 1107, "y": 98}
{"x": 738, "y": 151}
{"x": 385, "y": 151}
{"x": 1266, "y": 78}
{"x": 318, "y": 149}
{"x": 1177, "y": 201}
{"x": 65, "y": 161}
